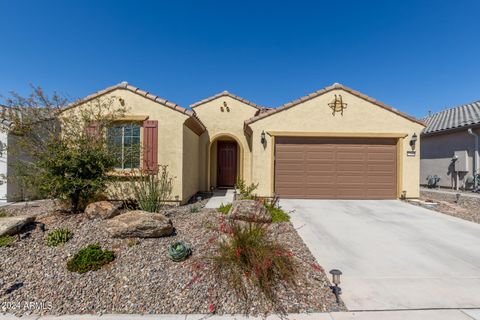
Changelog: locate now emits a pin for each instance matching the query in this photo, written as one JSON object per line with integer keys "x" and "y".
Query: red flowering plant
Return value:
{"x": 248, "y": 257}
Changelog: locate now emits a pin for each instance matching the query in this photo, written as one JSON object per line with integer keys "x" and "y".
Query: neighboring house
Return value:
{"x": 450, "y": 146}
{"x": 333, "y": 143}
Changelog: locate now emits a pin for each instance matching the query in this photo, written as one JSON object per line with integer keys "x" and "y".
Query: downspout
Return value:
{"x": 475, "y": 157}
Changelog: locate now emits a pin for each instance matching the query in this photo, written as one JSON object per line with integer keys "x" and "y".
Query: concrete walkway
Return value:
{"x": 455, "y": 314}
{"x": 393, "y": 255}
{"x": 220, "y": 196}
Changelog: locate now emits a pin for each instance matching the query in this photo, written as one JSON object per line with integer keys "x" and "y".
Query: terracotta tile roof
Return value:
{"x": 334, "y": 86}
{"x": 228, "y": 94}
{"x": 454, "y": 118}
{"x": 125, "y": 86}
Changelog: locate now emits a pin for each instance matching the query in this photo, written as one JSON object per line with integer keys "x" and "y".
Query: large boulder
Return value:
{"x": 13, "y": 225}
{"x": 102, "y": 210}
{"x": 250, "y": 211}
{"x": 139, "y": 224}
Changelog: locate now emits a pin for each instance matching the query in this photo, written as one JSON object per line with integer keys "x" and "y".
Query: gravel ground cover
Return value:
{"x": 143, "y": 279}
{"x": 456, "y": 210}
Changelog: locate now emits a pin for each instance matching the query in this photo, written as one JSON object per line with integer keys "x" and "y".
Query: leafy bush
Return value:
{"x": 3, "y": 213}
{"x": 57, "y": 237}
{"x": 194, "y": 209}
{"x": 246, "y": 192}
{"x": 6, "y": 241}
{"x": 248, "y": 256}
{"x": 224, "y": 208}
{"x": 90, "y": 258}
{"x": 62, "y": 152}
{"x": 150, "y": 189}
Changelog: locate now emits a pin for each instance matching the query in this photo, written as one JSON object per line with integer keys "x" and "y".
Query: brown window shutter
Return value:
{"x": 150, "y": 145}
{"x": 92, "y": 129}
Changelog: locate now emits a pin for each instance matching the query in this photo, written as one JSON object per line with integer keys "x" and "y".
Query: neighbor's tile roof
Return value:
{"x": 454, "y": 118}
{"x": 323, "y": 91}
{"x": 231, "y": 95}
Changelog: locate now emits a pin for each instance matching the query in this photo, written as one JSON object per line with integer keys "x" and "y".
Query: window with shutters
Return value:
{"x": 124, "y": 139}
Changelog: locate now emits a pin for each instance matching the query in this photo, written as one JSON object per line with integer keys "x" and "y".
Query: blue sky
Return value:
{"x": 413, "y": 55}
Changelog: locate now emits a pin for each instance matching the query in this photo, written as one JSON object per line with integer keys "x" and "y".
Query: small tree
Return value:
{"x": 65, "y": 154}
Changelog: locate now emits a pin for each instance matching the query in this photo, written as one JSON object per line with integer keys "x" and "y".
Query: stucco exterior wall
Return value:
{"x": 437, "y": 153}
{"x": 315, "y": 116}
{"x": 224, "y": 125}
{"x": 170, "y": 132}
{"x": 191, "y": 163}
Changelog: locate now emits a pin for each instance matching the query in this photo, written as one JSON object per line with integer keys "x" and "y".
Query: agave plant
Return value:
{"x": 179, "y": 251}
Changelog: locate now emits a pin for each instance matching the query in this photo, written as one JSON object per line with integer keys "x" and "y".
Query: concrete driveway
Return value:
{"x": 393, "y": 255}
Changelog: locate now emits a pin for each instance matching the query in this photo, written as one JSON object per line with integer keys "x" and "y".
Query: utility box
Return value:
{"x": 461, "y": 164}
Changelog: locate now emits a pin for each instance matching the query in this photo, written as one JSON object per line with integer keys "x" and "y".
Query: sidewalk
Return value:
{"x": 220, "y": 196}
{"x": 452, "y": 314}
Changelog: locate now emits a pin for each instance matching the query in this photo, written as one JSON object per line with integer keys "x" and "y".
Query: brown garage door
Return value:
{"x": 335, "y": 168}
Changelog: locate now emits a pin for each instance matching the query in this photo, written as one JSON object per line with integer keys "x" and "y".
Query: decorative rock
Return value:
{"x": 139, "y": 224}
{"x": 102, "y": 210}
{"x": 249, "y": 210}
{"x": 13, "y": 225}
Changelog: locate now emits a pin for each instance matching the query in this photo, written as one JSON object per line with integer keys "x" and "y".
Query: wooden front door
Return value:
{"x": 226, "y": 163}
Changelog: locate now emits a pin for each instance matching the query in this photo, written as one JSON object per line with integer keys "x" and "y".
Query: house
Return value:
{"x": 450, "y": 146}
{"x": 333, "y": 143}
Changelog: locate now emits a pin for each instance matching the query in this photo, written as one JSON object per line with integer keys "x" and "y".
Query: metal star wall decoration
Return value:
{"x": 337, "y": 105}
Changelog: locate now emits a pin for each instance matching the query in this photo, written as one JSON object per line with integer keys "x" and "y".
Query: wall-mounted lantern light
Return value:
{"x": 336, "y": 281}
{"x": 413, "y": 141}
{"x": 263, "y": 140}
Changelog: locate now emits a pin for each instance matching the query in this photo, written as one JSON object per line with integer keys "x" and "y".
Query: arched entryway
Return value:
{"x": 225, "y": 161}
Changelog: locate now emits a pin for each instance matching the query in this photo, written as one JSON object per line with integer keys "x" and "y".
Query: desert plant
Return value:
{"x": 6, "y": 241}
{"x": 224, "y": 208}
{"x": 3, "y": 213}
{"x": 62, "y": 152}
{"x": 150, "y": 189}
{"x": 194, "y": 209}
{"x": 248, "y": 256}
{"x": 245, "y": 191}
{"x": 179, "y": 251}
{"x": 90, "y": 258}
{"x": 57, "y": 237}
{"x": 277, "y": 213}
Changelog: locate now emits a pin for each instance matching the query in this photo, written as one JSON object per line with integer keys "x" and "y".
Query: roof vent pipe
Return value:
{"x": 475, "y": 158}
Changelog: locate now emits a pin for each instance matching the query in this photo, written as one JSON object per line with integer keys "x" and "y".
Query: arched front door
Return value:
{"x": 226, "y": 163}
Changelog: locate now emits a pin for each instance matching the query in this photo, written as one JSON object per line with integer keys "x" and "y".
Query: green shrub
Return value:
{"x": 62, "y": 154}
{"x": 57, "y": 237}
{"x": 6, "y": 241}
{"x": 194, "y": 209}
{"x": 89, "y": 259}
{"x": 224, "y": 208}
{"x": 249, "y": 256}
{"x": 277, "y": 213}
{"x": 3, "y": 213}
{"x": 150, "y": 189}
{"x": 244, "y": 191}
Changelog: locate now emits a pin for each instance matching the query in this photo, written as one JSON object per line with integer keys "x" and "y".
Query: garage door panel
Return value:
{"x": 319, "y": 168}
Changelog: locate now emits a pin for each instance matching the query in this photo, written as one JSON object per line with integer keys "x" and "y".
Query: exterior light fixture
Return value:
{"x": 413, "y": 141}
{"x": 263, "y": 140}
{"x": 337, "y": 291}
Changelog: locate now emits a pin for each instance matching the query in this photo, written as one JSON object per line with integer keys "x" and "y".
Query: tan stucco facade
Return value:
{"x": 314, "y": 117}
{"x": 187, "y": 139}
{"x": 224, "y": 119}
{"x": 177, "y": 144}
